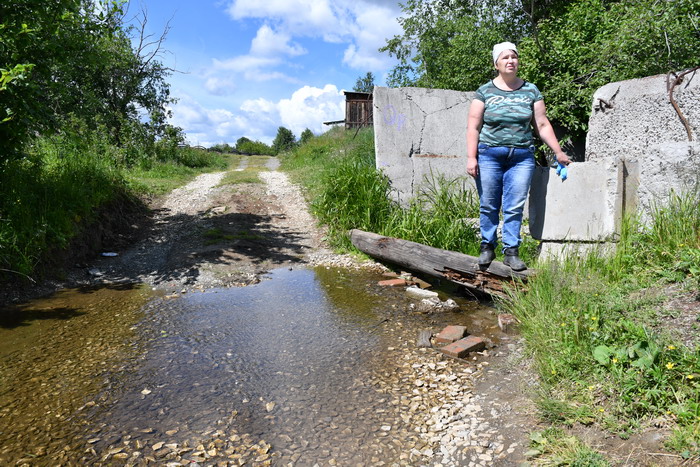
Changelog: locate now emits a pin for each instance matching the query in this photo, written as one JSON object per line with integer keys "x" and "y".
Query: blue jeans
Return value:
{"x": 503, "y": 181}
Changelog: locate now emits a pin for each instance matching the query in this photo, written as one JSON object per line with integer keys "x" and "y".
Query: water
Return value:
{"x": 307, "y": 366}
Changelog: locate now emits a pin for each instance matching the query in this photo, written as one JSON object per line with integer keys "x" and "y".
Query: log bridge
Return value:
{"x": 455, "y": 267}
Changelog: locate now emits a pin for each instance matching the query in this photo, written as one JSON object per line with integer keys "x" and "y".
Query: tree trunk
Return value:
{"x": 455, "y": 267}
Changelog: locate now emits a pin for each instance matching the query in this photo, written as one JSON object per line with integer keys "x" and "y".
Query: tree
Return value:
{"x": 364, "y": 84}
{"x": 306, "y": 136}
{"x": 284, "y": 140}
{"x": 241, "y": 143}
{"x": 567, "y": 48}
{"x": 69, "y": 59}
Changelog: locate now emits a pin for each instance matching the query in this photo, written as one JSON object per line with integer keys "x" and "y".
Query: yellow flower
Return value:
{"x": 563, "y": 324}
{"x": 554, "y": 372}
{"x": 614, "y": 360}
{"x": 593, "y": 318}
{"x": 670, "y": 365}
{"x": 671, "y": 347}
{"x": 591, "y": 328}
{"x": 590, "y": 388}
{"x": 690, "y": 376}
{"x": 602, "y": 410}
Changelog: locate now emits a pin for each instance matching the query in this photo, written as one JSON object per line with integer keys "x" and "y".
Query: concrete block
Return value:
{"x": 462, "y": 347}
{"x": 450, "y": 334}
{"x": 629, "y": 117}
{"x": 561, "y": 250}
{"x": 420, "y": 133}
{"x": 666, "y": 168}
{"x": 420, "y": 293}
{"x": 586, "y": 207}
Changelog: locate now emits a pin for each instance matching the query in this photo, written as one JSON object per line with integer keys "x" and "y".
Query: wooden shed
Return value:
{"x": 358, "y": 109}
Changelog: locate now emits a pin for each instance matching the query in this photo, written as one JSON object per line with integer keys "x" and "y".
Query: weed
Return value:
{"x": 554, "y": 447}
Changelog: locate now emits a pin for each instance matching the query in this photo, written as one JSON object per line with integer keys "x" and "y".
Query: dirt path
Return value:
{"x": 210, "y": 235}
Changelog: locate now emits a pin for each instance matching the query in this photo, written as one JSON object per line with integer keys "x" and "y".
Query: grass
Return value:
{"x": 348, "y": 192}
{"x": 162, "y": 177}
{"x": 57, "y": 188}
{"x": 586, "y": 326}
{"x": 553, "y": 447}
{"x": 249, "y": 174}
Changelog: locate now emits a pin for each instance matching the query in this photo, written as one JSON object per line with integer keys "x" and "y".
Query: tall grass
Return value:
{"x": 46, "y": 195}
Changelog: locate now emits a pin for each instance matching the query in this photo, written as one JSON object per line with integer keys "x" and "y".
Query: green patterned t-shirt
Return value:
{"x": 507, "y": 115}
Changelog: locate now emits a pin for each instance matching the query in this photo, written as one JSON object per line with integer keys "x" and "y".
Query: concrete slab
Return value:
{"x": 666, "y": 169}
{"x": 587, "y": 206}
{"x": 561, "y": 251}
{"x": 419, "y": 134}
{"x": 629, "y": 117}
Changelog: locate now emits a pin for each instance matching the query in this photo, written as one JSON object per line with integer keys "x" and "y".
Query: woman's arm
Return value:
{"x": 474, "y": 122}
{"x": 546, "y": 132}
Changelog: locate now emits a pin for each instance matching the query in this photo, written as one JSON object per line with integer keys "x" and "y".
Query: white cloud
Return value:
{"x": 296, "y": 16}
{"x": 219, "y": 86}
{"x": 309, "y": 107}
{"x": 270, "y": 43}
{"x": 206, "y": 126}
{"x": 363, "y": 25}
{"x": 244, "y": 63}
{"x": 373, "y": 26}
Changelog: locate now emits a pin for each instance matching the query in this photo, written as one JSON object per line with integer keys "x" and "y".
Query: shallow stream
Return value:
{"x": 308, "y": 366}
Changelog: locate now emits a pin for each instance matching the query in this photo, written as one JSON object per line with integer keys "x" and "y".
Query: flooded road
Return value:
{"x": 310, "y": 366}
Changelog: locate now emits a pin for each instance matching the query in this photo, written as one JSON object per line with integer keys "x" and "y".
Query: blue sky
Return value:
{"x": 247, "y": 67}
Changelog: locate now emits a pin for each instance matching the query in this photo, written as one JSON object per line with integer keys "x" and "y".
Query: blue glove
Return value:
{"x": 562, "y": 171}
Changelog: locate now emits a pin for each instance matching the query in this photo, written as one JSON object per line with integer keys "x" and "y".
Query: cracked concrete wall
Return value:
{"x": 634, "y": 121}
{"x": 419, "y": 133}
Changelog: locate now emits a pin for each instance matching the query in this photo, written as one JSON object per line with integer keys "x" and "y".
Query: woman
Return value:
{"x": 500, "y": 152}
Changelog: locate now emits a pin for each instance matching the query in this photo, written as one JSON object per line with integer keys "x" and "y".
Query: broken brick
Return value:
{"x": 451, "y": 334}
{"x": 460, "y": 348}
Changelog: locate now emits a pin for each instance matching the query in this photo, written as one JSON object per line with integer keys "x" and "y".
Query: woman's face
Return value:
{"x": 507, "y": 62}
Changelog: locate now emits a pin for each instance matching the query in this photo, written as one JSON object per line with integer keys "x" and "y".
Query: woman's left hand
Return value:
{"x": 563, "y": 159}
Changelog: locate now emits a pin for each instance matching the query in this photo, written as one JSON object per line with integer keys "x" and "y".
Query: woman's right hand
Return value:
{"x": 473, "y": 166}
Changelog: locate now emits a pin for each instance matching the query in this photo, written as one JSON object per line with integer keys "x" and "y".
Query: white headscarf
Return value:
{"x": 499, "y": 48}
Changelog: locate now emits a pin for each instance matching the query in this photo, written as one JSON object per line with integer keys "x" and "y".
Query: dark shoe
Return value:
{"x": 486, "y": 256}
{"x": 512, "y": 260}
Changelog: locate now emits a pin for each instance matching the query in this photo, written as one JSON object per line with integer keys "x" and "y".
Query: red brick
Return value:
{"x": 462, "y": 347}
{"x": 450, "y": 334}
{"x": 393, "y": 282}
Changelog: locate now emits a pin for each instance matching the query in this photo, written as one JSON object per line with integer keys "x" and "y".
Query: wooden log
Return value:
{"x": 450, "y": 265}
